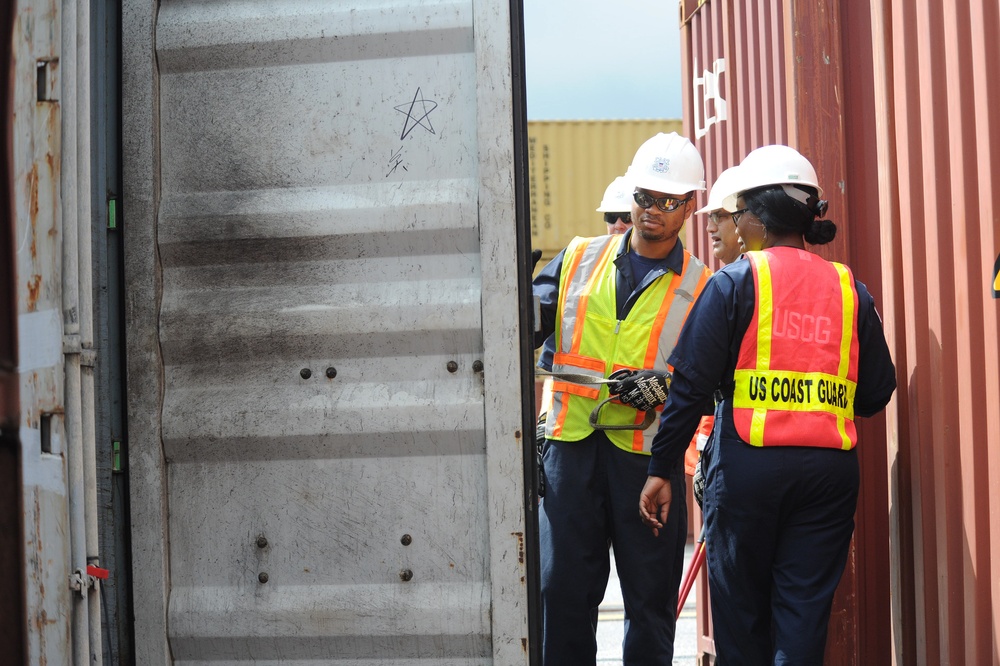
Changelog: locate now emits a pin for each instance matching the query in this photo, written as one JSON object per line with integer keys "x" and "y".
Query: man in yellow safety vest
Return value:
{"x": 615, "y": 305}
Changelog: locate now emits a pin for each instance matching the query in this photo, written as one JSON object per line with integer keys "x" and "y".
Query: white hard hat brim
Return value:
{"x": 668, "y": 187}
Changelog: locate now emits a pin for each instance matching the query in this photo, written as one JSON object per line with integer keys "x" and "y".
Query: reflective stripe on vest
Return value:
{"x": 797, "y": 371}
{"x": 591, "y": 340}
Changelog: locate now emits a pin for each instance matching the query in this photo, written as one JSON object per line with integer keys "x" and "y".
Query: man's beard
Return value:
{"x": 656, "y": 236}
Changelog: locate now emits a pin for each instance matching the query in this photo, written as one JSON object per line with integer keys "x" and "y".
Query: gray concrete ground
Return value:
{"x": 611, "y": 630}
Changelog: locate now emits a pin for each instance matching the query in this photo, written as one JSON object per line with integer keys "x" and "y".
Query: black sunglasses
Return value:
{"x": 666, "y": 204}
{"x": 612, "y": 218}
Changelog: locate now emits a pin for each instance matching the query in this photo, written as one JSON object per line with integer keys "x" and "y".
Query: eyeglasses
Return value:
{"x": 666, "y": 204}
{"x": 612, "y": 218}
{"x": 737, "y": 214}
{"x": 717, "y": 217}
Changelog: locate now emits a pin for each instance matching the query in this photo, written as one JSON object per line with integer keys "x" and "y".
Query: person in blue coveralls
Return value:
{"x": 795, "y": 347}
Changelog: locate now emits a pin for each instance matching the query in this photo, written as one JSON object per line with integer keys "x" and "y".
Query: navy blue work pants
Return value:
{"x": 778, "y": 525}
{"x": 592, "y": 498}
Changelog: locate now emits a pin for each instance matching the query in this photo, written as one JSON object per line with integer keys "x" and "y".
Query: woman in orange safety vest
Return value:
{"x": 795, "y": 347}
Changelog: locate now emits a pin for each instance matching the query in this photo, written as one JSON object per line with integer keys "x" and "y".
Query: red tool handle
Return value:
{"x": 97, "y": 572}
{"x": 689, "y": 577}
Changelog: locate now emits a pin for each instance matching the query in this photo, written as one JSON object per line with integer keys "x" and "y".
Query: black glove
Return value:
{"x": 640, "y": 389}
{"x": 699, "y": 484}
{"x": 539, "y": 444}
{"x": 535, "y": 256}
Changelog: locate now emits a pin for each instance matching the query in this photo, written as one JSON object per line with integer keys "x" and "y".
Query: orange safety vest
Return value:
{"x": 698, "y": 442}
{"x": 591, "y": 340}
{"x": 797, "y": 371}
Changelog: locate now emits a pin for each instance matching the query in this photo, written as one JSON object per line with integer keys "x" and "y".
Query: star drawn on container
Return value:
{"x": 414, "y": 117}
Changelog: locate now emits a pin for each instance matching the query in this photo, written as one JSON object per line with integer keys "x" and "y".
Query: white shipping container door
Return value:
{"x": 322, "y": 325}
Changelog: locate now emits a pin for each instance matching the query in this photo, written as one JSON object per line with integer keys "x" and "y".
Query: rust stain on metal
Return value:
{"x": 520, "y": 546}
{"x": 524, "y": 645}
{"x": 33, "y": 205}
{"x": 43, "y": 619}
{"x": 34, "y": 289}
{"x": 53, "y": 119}
{"x": 53, "y": 165}
{"x": 34, "y": 569}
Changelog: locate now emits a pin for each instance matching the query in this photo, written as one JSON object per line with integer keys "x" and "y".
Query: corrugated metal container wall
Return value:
{"x": 748, "y": 85}
{"x": 324, "y": 367}
{"x": 939, "y": 163}
{"x": 735, "y": 94}
{"x": 759, "y": 73}
{"x": 570, "y": 164}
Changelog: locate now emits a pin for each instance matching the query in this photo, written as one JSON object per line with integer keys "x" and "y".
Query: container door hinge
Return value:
{"x": 88, "y": 357}
{"x": 81, "y": 582}
{"x": 71, "y": 344}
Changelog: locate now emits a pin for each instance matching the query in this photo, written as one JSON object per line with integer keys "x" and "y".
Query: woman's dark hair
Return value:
{"x": 782, "y": 214}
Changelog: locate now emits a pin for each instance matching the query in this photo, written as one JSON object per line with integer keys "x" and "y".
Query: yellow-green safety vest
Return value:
{"x": 591, "y": 340}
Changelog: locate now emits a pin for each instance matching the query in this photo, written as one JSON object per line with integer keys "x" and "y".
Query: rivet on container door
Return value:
{"x": 452, "y": 366}
{"x": 406, "y": 575}
{"x": 305, "y": 373}
{"x": 262, "y": 541}
{"x": 477, "y": 366}
{"x": 262, "y": 577}
{"x": 406, "y": 540}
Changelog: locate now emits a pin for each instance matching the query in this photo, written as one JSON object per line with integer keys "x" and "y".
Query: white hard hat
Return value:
{"x": 721, "y": 188}
{"x": 618, "y": 197}
{"x": 773, "y": 165}
{"x": 668, "y": 163}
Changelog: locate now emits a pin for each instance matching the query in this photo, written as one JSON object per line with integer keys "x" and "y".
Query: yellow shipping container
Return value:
{"x": 570, "y": 163}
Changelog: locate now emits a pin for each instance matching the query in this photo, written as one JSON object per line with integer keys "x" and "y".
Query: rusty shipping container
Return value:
{"x": 938, "y": 88}
{"x": 570, "y": 163}
{"x": 749, "y": 82}
{"x": 891, "y": 100}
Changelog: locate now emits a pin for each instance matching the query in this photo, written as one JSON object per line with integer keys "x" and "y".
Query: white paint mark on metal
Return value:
{"x": 43, "y": 471}
{"x": 40, "y": 336}
{"x": 710, "y": 106}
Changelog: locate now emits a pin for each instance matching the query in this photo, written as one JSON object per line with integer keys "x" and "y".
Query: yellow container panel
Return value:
{"x": 570, "y": 164}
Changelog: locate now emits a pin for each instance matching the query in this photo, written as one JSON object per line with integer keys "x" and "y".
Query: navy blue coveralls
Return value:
{"x": 778, "y": 520}
{"x": 590, "y": 501}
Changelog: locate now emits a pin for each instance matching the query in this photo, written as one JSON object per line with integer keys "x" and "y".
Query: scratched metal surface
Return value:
{"x": 38, "y": 245}
{"x": 324, "y": 424}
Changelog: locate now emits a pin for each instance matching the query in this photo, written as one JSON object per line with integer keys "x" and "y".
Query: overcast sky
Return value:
{"x": 602, "y": 59}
